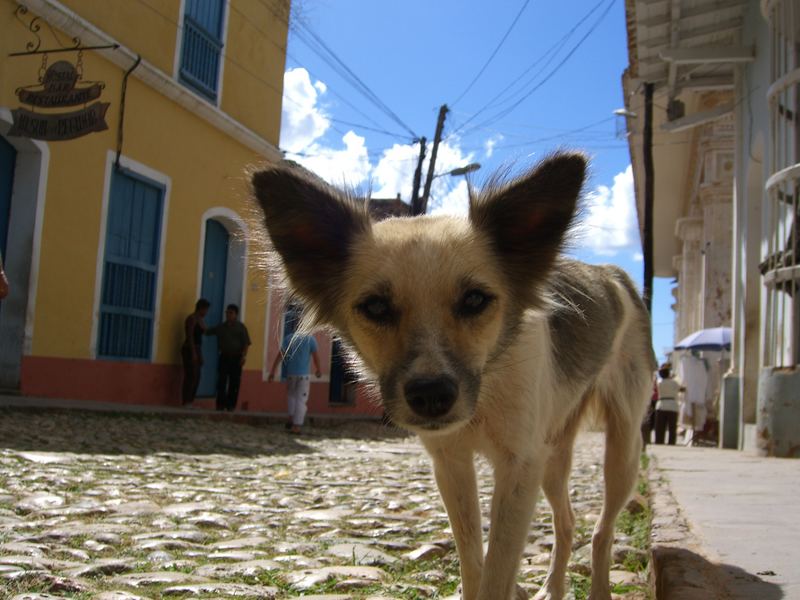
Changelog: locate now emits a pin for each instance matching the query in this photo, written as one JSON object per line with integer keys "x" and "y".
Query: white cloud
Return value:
{"x": 394, "y": 174}
{"x": 491, "y": 143}
{"x": 456, "y": 202}
{"x": 609, "y": 224}
{"x": 302, "y": 120}
{"x": 305, "y": 122}
{"x": 347, "y": 166}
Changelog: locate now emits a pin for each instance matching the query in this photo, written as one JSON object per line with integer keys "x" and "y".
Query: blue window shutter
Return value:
{"x": 130, "y": 268}
{"x": 202, "y": 46}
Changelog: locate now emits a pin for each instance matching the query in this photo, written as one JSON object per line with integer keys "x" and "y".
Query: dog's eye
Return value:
{"x": 473, "y": 303}
{"x": 377, "y": 310}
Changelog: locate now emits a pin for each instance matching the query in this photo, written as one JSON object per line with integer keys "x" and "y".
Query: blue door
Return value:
{"x": 8, "y": 158}
{"x": 215, "y": 264}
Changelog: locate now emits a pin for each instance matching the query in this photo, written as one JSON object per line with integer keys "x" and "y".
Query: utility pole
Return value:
{"x": 436, "y": 139}
{"x": 647, "y": 153}
{"x": 415, "y": 204}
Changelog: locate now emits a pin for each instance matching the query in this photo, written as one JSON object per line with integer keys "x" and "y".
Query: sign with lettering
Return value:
{"x": 61, "y": 126}
{"x": 59, "y": 89}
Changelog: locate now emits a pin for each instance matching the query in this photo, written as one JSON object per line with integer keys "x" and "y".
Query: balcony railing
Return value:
{"x": 200, "y": 59}
{"x": 781, "y": 267}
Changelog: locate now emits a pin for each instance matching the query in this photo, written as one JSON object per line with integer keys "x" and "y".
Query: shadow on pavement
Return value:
{"x": 88, "y": 432}
{"x": 685, "y": 575}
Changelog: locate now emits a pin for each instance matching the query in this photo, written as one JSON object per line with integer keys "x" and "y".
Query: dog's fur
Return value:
{"x": 482, "y": 339}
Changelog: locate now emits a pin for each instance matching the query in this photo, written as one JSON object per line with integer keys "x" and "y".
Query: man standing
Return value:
{"x": 191, "y": 351}
{"x": 232, "y": 344}
{"x": 296, "y": 352}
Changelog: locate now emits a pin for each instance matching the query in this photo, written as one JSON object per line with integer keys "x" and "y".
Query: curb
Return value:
{"x": 679, "y": 568}
{"x": 43, "y": 405}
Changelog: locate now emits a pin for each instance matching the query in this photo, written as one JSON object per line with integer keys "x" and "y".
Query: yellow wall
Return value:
{"x": 206, "y": 171}
{"x": 255, "y": 50}
{"x": 254, "y": 65}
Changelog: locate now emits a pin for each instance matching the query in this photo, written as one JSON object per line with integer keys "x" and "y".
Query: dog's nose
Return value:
{"x": 431, "y": 396}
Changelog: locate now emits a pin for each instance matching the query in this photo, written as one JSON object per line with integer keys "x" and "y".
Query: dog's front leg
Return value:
{"x": 454, "y": 469}
{"x": 517, "y": 484}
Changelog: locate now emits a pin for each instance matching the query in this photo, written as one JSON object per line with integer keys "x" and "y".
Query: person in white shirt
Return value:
{"x": 667, "y": 406}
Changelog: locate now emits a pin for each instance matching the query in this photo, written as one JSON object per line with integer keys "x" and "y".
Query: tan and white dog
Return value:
{"x": 482, "y": 339}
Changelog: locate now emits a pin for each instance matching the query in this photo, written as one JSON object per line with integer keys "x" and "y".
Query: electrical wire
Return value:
{"x": 493, "y": 54}
{"x": 317, "y": 45}
{"x": 549, "y": 55}
{"x": 270, "y": 85}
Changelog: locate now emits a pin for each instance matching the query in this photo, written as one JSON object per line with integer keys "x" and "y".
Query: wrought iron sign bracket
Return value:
{"x": 33, "y": 48}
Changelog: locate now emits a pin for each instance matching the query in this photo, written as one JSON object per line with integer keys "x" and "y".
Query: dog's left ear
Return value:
{"x": 528, "y": 218}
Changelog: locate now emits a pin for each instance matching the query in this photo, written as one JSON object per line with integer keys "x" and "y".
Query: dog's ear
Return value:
{"x": 528, "y": 218}
{"x": 312, "y": 227}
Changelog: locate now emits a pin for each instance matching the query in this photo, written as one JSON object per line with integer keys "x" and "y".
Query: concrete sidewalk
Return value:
{"x": 725, "y": 525}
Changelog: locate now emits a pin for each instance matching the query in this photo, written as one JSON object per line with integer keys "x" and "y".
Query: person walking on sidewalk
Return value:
{"x": 232, "y": 344}
{"x": 296, "y": 353}
{"x": 667, "y": 406}
{"x": 194, "y": 326}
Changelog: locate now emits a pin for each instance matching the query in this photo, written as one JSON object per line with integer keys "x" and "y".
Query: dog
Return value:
{"x": 481, "y": 338}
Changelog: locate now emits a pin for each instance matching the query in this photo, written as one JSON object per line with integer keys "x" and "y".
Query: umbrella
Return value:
{"x": 716, "y": 338}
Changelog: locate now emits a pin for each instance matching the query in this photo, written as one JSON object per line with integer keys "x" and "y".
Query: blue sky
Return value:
{"x": 553, "y": 82}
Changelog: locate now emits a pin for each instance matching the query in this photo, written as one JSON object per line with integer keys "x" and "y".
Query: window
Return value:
{"x": 781, "y": 268}
{"x": 202, "y": 46}
{"x": 130, "y": 268}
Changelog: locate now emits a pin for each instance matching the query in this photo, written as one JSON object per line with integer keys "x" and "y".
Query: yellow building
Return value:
{"x": 109, "y": 238}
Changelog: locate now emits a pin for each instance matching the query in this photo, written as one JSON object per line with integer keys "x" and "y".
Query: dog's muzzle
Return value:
{"x": 431, "y": 397}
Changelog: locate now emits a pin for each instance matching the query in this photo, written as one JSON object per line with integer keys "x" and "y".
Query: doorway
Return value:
{"x": 215, "y": 271}
{"x": 23, "y": 164}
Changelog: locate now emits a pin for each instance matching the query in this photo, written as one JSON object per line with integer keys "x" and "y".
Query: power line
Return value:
{"x": 319, "y": 47}
{"x": 556, "y": 136}
{"x": 549, "y": 55}
{"x": 280, "y": 92}
{"x": 493, "y": 54}
{"x": 550, "y": 75}
{"x": 289, "y": 55}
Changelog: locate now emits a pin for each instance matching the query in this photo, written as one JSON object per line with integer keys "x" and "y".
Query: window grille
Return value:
{"x": 130, "y": 269}
{"x": 781, "y": 268}
{"x": 202, "y": 46}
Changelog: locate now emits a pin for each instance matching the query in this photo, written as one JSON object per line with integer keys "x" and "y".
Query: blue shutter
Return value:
{"x": 202, "y": 46}
{"x": 130, "y": 268}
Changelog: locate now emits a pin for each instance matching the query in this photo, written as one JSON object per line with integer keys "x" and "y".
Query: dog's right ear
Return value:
{"x": 312, "y": 227}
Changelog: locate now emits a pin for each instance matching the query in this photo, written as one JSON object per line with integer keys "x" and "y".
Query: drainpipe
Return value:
{"x": 647, "y": 153}
{"x": 122, "y": 108}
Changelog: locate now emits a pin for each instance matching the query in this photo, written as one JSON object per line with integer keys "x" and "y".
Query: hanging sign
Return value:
{"x": 61, "y": 126}
{"x": 59, "y": 89}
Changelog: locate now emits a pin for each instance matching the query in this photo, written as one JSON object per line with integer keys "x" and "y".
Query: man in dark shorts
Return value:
{"x": 232, "y": 344}
{"x": 191, "y": 351}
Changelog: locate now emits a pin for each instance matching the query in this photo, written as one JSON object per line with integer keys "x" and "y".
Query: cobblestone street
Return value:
{"x": 122, "y": 507}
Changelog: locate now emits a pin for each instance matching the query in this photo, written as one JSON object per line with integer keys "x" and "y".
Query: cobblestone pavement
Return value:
{"x": 123, "y": 507}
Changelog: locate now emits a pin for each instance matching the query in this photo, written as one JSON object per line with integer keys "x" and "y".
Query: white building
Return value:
{"x": 726, "y": 155}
